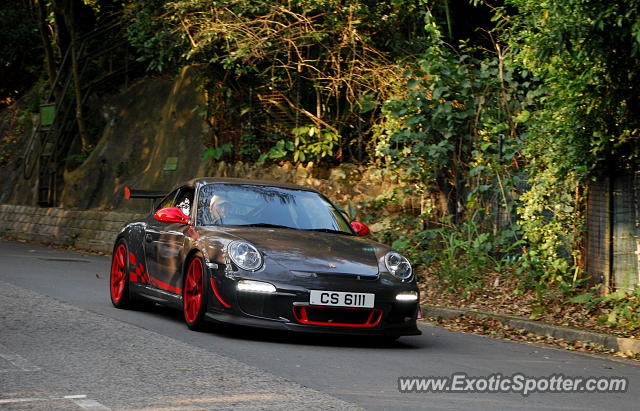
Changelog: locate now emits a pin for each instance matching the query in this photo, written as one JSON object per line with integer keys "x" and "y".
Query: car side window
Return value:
{"x": 184, "y": 200}
{"x": 168, "y": 201}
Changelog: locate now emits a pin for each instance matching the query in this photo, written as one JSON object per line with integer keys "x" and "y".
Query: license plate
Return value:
{"x": 342, "y": 299}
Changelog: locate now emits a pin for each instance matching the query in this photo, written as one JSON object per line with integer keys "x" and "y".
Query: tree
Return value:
{"x": 328, "y": 64}
{"x": 455, "y": 128}
{"x": 586, "y": 56}
{"x": 72, "y": 21}
{"x": 21, "y": 53}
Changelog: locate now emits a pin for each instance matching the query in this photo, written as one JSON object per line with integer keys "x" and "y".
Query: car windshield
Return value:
{"x": 265, "y": 206}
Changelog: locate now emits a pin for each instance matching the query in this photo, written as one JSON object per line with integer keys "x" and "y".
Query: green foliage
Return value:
{"x": 277, "y": 152}
{"x": 309, "y": 144}
{"x": 585, "y": 56}
{"x": 249, "y": 149}
{"x": 620, "y": 309}
{"x": 455, "y": 131}
{"x": 21, "y": 51}
{"x": 456, "y": 135}
{"x": 469, "y": 253}
{"x": 406, "y": 235}
{"x": 350, "y": 211}
{"x": 552, "y": 226}
{"x": 313, "y": 144}
{"x": 325, "y": 63}
{"x": 149, "y": 34}
{"x": 460, "y": 255}
{"x": 218, "y": 153}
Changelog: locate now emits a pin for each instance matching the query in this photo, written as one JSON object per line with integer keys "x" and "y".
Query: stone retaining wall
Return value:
{"x": 87, "y": 230}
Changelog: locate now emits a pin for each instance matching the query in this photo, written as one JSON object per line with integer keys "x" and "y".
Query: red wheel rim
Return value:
{"x": 193, "y": 289}
{"x": 118, "y": 272}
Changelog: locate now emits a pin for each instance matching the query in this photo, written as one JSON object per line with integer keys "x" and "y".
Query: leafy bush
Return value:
{"x": 620, "y": 309}
{"x": 218, "y": 153}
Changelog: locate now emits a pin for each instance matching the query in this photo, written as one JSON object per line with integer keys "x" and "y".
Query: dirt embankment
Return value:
{"x": 153, "y": 120}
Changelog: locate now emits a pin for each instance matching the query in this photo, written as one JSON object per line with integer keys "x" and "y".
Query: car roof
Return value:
{"x": 244, "y": 181}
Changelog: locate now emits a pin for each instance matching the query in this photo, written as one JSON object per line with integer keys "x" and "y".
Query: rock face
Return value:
{"x": 157, "y": 119}
{"x": 152, "y": 121}
{"x": 15, "y": 132}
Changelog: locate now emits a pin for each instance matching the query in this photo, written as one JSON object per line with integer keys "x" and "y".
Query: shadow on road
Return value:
{"x": 289, "y": 337}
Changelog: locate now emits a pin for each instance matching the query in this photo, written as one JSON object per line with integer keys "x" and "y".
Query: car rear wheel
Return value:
{"x": 119, "y": 279}
{"x": 193, "y": 294}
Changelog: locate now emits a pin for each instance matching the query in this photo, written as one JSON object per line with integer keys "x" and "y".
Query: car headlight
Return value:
{"x": 398, "y": 265}
{"x": 407, "y": 296}
{"x": 256, "y": 287}
{"x": 245, "y": 255}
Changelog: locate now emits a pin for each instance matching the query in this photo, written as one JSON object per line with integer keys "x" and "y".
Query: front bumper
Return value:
{"x": 289, "y": 309}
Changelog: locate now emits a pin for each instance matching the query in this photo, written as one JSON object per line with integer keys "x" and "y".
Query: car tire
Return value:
{"x": 119, "y": 278}
{"x": 194, "y": 301}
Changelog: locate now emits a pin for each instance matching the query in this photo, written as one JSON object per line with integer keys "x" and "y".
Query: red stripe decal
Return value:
{"x": 141, "y": 275}
{"x": 217, "y": 294}
{"x": 164, "y": 286}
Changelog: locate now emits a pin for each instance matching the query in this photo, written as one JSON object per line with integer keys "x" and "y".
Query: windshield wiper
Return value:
{"x": 267, "y": 225}
{"x": 328, "y": 230}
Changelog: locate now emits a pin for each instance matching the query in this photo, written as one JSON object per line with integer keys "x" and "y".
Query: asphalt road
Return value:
{"x": 63, "y": 346}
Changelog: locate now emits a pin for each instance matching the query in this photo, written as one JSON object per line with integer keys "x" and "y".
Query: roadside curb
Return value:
{"x": 624, "y": 345}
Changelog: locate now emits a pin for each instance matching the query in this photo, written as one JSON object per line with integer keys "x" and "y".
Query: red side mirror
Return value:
{"x": 171, "y": 215}
{"x": 361, "y": 229}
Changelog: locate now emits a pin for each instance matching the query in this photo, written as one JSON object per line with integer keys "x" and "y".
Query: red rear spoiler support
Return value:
{"x": 130, "y": 193}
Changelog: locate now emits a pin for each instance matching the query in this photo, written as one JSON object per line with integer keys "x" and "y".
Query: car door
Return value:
{"x": 164, "y": 244}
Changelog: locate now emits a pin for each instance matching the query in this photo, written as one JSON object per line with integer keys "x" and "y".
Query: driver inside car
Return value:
{"x": 219, "y": 209}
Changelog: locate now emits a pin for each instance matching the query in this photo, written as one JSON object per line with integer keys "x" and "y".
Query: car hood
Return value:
{"x": 313, "y": 251}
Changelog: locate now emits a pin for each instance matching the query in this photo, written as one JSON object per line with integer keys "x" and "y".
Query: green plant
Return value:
{"x": 326, "y": 63}
{"x": 218, "y": 153}
{"x": 249, "y": 149}
{"x": 456, "y": 130}
{"x": 551, "y": 225}
{"x": 313, "y": 144}
{"x": 620, "y": 309}
{"x": 467, "y": 254}
{"x": 309, "y": 144}
{"x": 280, "y": 150}
{"x": 583, "y": 57}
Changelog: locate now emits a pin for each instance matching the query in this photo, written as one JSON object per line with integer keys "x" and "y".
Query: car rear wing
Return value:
{"x": 130, "y": 193}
